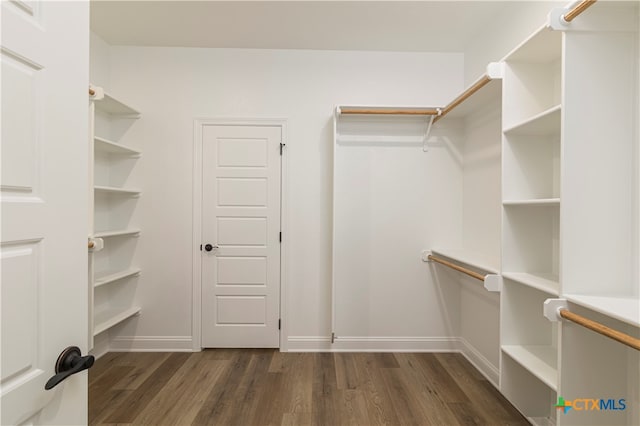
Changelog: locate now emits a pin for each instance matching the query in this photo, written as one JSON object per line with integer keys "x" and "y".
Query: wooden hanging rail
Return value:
{"x": 618, "y": 336}
{"x": 483, "y": 81}
{"x": 577, "y": 10}
{"x": 456, "y": 267}
{"x": 91, "y": 92}
{"x": 388, "y": 111}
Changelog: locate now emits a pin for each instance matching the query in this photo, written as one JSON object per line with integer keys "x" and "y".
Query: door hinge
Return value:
{"x": 280, "y": 236}
{"x": 282, "y": 145}
{"x": 333, "y": 337}
{"x": 279, "y": 323}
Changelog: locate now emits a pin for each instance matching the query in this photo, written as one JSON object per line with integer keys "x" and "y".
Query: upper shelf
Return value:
{"x": 486, "y": 89}
{"x": 109, "y": 104}
{"x": 544, "y": 46}
{"x": 625, "y": 309}
{"x": 474, "y": 259}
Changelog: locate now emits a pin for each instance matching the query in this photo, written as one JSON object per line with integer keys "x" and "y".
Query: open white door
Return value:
{"x": 44, "y": 193}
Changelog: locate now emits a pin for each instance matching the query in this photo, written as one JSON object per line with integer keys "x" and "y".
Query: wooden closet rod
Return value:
{"x": 91, "y": 92}
{"x": 578, "y": 9}
{"x": 389, "y": 111}
{"x": 91, "y": 244}
{"x": 618, "y": 336}
{"x": 457, "y": 268}
{"x": 464, "y": 96}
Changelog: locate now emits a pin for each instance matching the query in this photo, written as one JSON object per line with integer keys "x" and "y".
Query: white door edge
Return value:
{"x": 196, "y": 305}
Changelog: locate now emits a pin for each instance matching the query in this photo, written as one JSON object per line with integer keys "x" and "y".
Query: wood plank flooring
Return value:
{"x": 265, "y": 387}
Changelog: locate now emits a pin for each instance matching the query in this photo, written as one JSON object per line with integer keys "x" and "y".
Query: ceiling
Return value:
{"x": 435, "y": 26}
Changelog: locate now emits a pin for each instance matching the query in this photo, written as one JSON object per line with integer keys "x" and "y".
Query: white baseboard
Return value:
{"x": 100, "y": 345}
{"x": 480, "y": 362}
{"x": 373, "y": 344}
{"x": 151, "y": 344}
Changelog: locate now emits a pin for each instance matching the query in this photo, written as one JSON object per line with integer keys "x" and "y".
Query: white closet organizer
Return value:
{"x": 478, "y": 108}
{"x": 569, "y": 113}
{"x": 112, "y": 269}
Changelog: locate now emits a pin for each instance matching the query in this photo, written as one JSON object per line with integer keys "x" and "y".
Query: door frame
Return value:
{"x": 196, "y": 306}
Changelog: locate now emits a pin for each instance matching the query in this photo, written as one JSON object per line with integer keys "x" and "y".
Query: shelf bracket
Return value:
{"x": 493, "y": 283}
{"x": 425, "y": 255}
{"x": 95, "y": 244}
{"x": 552, "y": 308}
{"x": 98, "y": 93}
{"x": 428, "y": 131}
{"x": 495, "y": 70}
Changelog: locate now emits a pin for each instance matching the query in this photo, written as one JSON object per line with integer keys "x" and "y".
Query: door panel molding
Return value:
{"x": 199, "y": 124}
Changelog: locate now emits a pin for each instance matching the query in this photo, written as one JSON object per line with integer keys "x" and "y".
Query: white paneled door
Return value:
{"x": 241, "y": 236}
{"x": 44, "y": 194}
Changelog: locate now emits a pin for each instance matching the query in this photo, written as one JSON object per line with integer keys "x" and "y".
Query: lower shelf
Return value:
{"x": 540, "y": 360}
{"x": 107, "y": 319}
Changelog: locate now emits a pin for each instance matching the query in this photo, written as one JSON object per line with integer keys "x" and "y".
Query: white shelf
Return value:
{"x": 554, "y": 202}
{"x": 543, "y": 46}
{"x": 105, "y": 145}
{"x": 107, "y": 319}
{"x": 477, "y": 260}
{"x": 539, "y": 280}
{"x": 625, "y": 309}
{"x": 113, "y": 106}
{"x": 114, "y": 190}
{"x": 539, "y": 360}
{"x": 109, "y": 278}
{"x": 542, "y": 124}
{"x": 116, "y": 233}
{"x": 491, "y": 92}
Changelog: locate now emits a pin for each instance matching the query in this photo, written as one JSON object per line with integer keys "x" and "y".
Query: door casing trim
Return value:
{"x": 196, "y": 305}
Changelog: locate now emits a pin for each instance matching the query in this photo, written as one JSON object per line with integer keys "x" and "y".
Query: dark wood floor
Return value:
{"x": 266, "y": 387}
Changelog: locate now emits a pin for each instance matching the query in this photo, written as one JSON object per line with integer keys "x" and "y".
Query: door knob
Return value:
{"x": 209, "y": 247}
{"x": 69, "y": 362}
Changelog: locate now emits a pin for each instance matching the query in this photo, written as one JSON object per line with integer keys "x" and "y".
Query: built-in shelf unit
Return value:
{"x": 570, "y": 214}
{"x": 112, "y": 263}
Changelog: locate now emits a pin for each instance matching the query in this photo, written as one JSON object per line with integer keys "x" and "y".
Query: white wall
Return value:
{"x": 392, "y": 201}
{"x": 172, "y": 86}
{"x": 99, "y": 62}
{"x": 516, "y": 21}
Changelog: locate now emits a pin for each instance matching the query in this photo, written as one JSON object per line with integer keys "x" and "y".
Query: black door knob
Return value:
{"x": 69, "y": 362}
{"x": 208, "y": 247}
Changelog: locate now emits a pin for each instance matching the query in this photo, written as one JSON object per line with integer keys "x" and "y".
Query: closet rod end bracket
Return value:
{"x": 552, "y": 308}
{"x": 493, "y": 283}
{"x": 556, "y": 20}
{"x": 425, "y": 255}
